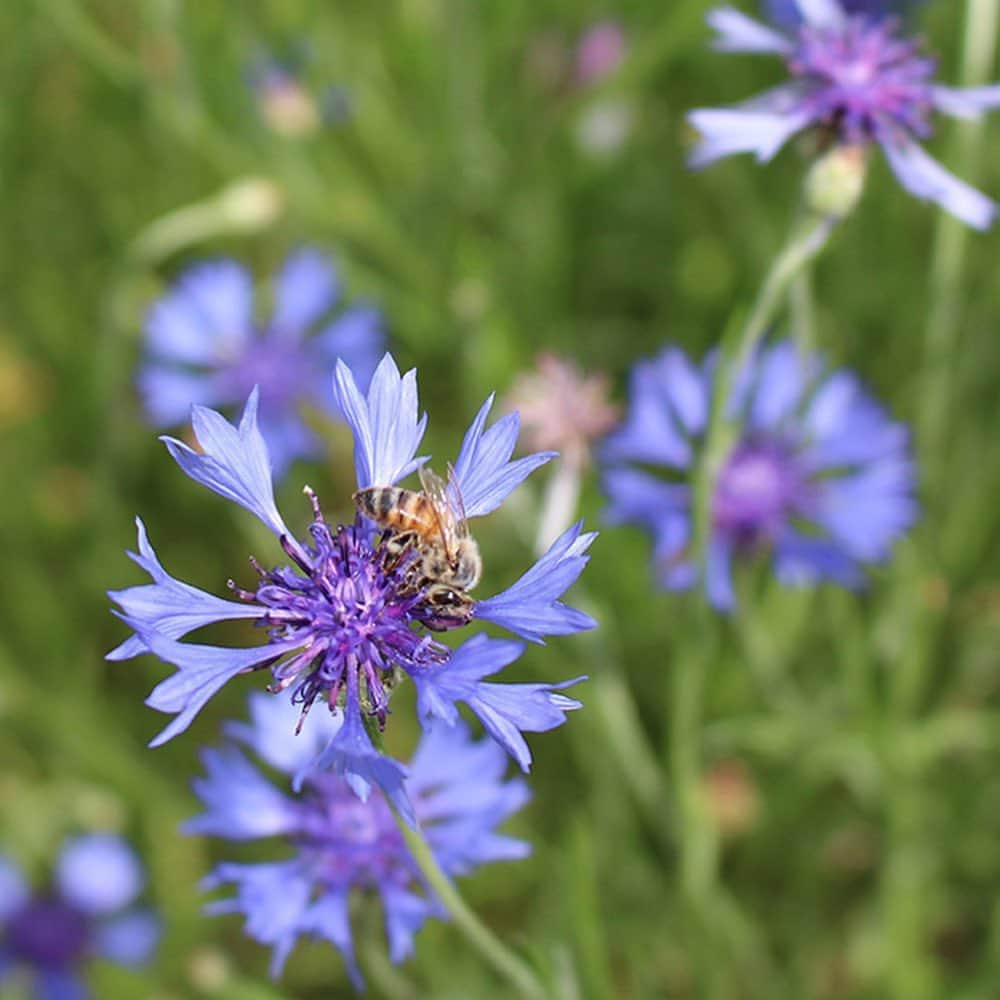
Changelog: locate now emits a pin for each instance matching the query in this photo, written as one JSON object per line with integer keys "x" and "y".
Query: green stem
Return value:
{"x": 512, "y": 968}
{"x": 950, "y": 245}
{"x": 802, "y": 306}
{"x": 808, "y": 237}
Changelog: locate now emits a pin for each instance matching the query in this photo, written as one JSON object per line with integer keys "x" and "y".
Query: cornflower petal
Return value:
{"x": 739, "y": 33}
{"x": 242, "y": 803}
{"x": 725, "y": 131}
{"x": 272, "y": 736}
{"x": 530, "y": 607}
{"x": 965, "y": 102}
{"x": 352, "y": 754}
{"x": 274, "y": 898}
{"x": 329, "y": 918}
{"x": 207, "y": 317}
{"x": 99, "y": 873}
{"x": 128, "y": 940}
{"x": 202, "y": 670}
{"x": 505, "y": 710}
{"x": 925, "y": 178}
{"x": 307, "y": 288}
{"x": 234, "y": 461}
{"x": 60, "y": 984}
{"x": 825, "y": 14}
{"x": 405, "y": 914}
{"x": 13, "y": 887}
{"x": 483, "y": 473}
{"x": 167, "y": 605}
{"x": 167, "y": 394}
{"x": 387, "y": 431}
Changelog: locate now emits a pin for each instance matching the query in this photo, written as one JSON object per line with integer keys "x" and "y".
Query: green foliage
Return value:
{"x": 851, "y": 846}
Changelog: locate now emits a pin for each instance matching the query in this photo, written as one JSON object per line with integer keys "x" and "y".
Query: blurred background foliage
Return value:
{"x": 846, "y": 837}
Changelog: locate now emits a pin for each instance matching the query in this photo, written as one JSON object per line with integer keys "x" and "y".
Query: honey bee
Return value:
{"x": 431, "y": 523}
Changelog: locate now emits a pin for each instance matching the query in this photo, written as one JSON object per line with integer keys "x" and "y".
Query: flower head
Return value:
{"x": 562, "y": 409}
{"x": 786, "y": 12}
{"x": 204, "y": 346}
{"x": 859, "y": 81}
{"x": 87, "y": 913}
{"x": 818, "y": 475}
{"x": 346, "y": 614}
{"x": 341, "y": 844}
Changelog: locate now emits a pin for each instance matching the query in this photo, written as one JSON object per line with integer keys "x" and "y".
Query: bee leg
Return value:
{"x": 395, "y": 547}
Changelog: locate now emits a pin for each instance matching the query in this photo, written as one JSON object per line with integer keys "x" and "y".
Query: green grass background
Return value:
{"x": 458, "y": 197}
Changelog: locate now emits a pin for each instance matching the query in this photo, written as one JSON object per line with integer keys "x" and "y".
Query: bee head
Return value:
{"x": 444, "y": 607}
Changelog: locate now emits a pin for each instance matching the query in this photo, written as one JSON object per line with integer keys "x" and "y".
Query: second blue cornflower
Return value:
{"x": 857, "y": 80}
{"x": 819, "y": 478}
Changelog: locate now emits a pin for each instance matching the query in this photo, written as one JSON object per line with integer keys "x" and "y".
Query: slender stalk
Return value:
{"x": 808, "y": 237}
{"x": 950, "y": 244}
{"x": 802, "y": 306}
{"x": 503, "y": 960}
{"x": 562, "y": 492}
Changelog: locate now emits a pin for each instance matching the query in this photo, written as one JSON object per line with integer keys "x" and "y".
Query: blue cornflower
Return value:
{"x": 818, "y": 475}
{"x": 344, "y": 623}
{"x": 786, "y": 12}
{"x": 340, "y": 843}
{"x": 858, "y": 80}
{"x": 48, "y": 936}
{"x": 204, "y": 346}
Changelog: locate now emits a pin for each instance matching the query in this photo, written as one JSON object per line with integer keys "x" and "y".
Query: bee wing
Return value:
{"x": 436, "y": 489}
{"x": 456, "y": 504}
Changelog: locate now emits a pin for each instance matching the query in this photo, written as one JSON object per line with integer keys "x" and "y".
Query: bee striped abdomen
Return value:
{"x": 396, "y": 508}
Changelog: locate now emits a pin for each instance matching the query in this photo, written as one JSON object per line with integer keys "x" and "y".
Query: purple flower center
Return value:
{"x": 759, "y": 488}
{"x": 350, "y": 841}
{"x": 345, "y": 617}
{"x": 862, "y": 81}
{"x": 273, "y": 364}
{"x": 48, "y": 933}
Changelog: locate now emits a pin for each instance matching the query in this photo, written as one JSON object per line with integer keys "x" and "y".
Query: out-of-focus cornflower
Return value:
{"x": 288, "y": 106}
{"x": 856, "y": 79}
{"x": 47, "y": 937}
{"x": 786, "y": 12}
{"x": 204, "y": 346}
{"x": 818, "y": 476}
{"x": 344, "y": 622}
{"x": 342, "y": 845}
{"x": 562, "y": 409}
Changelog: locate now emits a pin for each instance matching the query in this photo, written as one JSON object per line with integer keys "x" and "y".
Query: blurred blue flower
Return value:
{"x": 343, "y": 622}
{"x": 857, "y": 79}
{"x": 341, "y": 844}
{"x": 818, "y": 475}
{"x": 204, "y": 346}
{"x": 786, "y": 12}
{"x": 48, "y": 936}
